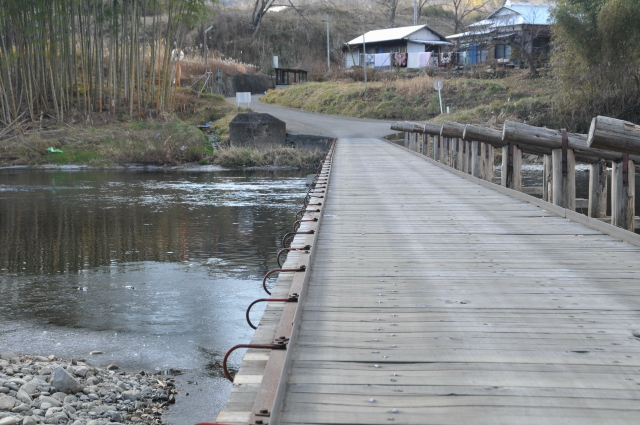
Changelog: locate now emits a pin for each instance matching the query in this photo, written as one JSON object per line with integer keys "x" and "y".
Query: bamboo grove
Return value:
{"x": 59, "y": 57}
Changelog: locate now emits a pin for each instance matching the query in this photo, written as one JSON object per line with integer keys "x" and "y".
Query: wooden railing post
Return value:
{"x": 406, "y": 139}
{"x": 598, "y": 177}
{"x": 455, "y": 152}
{"x": 511, "y": 167}
{"x": 436, "y": 148}
{"x": 476, "y": 159}
{"x": 564, "y": 175}
{"x": 446, "y": 152}
{"x": 547, "y": 179}
{"x": 490, "y": 172}
{"x": 623, "y": 183}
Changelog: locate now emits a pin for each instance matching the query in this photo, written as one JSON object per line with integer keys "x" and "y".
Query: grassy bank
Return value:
{"x": 166, "y": 140}
{"x": 481, "y": 101}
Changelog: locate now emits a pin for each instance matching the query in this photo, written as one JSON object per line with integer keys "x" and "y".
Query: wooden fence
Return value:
{"x": 610, "y": 142}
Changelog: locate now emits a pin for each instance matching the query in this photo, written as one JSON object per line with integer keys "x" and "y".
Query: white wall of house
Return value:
{"x": 414, "y": 47}
{"x": 352, "y": 58}
{"x": 424, "y": 34}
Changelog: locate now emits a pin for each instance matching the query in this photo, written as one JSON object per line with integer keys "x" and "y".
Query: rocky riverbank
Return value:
{"x": 46, "y": 390}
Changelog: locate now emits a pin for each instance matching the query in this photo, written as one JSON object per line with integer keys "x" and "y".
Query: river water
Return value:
{"x": 154, "y": 268}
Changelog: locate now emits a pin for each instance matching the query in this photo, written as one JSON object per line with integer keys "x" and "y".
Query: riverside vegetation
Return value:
{"x": 172, "y": 139}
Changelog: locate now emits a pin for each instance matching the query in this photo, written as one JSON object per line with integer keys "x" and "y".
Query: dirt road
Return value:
{"x": 302, "y": 122}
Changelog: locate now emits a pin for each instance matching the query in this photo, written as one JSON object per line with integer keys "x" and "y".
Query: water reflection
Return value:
{"x": 153, "y": 268}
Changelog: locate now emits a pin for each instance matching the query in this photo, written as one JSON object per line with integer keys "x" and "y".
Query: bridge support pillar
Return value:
{"x": 623, "y": 183}
{"x": 598, "y": 189}
{"x": 511, "y": 176}
{"x": 564, "y": 178}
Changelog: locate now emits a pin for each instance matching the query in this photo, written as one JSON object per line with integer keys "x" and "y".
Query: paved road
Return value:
{"x": 301, "y": 122}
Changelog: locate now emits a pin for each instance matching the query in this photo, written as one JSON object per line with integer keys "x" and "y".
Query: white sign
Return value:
{"x": 275, "y": 62}
{"x": 243, "y": 97}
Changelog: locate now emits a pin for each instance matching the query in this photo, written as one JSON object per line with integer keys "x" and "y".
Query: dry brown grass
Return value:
{"x": 194, "y": 66}
{"x": 415, "y": 87}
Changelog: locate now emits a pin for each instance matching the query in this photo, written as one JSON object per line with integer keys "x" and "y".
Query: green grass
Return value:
{"x": 472, "y": 100}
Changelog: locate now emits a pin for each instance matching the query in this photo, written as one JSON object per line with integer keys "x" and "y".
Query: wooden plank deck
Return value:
{"x": 434, "y": 300}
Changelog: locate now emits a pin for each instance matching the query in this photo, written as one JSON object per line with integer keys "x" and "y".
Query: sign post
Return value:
{"x": 437, "y": 84}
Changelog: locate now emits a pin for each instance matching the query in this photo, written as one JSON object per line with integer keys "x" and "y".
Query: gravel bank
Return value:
{"x": 46, "y": 390}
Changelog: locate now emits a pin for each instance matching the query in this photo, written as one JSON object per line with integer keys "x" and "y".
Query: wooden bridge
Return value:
{"x": 430, "y": 296}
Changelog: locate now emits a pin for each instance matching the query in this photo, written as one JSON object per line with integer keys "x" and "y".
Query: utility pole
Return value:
{"x": 328, "y": 49}
{"x": 415, "y": 12}
{"x": 364, "y": 54}
{"x": 204, "y": 45}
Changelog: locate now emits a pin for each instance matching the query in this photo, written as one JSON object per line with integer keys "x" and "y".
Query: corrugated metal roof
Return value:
{"x": 390, "y": 34}
{"x": 519, "y": 14}
{"x": 512, "y": 14}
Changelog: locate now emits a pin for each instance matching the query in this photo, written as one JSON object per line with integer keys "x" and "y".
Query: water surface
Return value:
{"x": 154, "y": 268}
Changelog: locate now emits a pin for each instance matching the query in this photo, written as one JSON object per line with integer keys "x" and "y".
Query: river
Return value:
{"x": 154, "y": 268}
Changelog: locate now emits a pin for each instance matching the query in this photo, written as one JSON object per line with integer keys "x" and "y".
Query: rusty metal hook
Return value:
{"x": 304, "y": 248}
{"x": 266, "y": 276}
{"x": 284, "y": 238}
{"x": 296, "y": 225}
{"x": 293, "y": 298}
{"x": 280, "y": 344}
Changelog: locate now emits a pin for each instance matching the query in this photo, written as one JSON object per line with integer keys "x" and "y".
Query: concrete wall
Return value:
{"x": 309, "y": 142}
{"x": 257, "y": 130}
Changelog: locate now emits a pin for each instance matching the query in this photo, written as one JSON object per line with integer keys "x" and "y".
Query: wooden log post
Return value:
{"x": 511, "y": 176}
{"x": 598, "y": 177}
{"x": 456, "y": 153}
{"x": 436, "y": 148}
{"x": 547, "y": 179}
{"x": 464, "y": 160}
{"x": 564, "y": 175}
{"x": 406, "y": 139}
{"x": 614, "y": 135}
{"x": 424, "y": 144}
{"x": 476, "y": 159}
{"x": 461, "y": 156}
{"x": 623, "y": 183}
{"x": 415, "y": 142}
{"x": 490, "y": 162}
{"x": 446, "y": 151}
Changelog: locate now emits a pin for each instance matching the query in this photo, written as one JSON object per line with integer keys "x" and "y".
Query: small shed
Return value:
{"x": 287, "y": 77}
{"x": 415, "y": 46}
{"x": 256, "y": 129}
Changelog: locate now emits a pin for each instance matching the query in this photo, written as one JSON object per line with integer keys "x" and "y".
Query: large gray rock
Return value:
{"x": 23, "y": 396}
{"x": 32, "y": 386}
{"x": 6, "y": 354}
{"x": 52, "y": 401}
{"x": 256, "y": 130}
{"x": 63, "y": 381}
{"x": 10, "y": 420}
{"x": 6, "y": 402}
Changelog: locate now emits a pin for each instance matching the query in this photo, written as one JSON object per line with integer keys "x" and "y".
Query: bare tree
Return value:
{"x": 389, "y": 9}
{"x": 260, "y": 8}
{"x": 463, "y": 10}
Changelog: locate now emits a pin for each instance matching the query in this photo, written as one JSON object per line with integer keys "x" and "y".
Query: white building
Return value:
{"x": 416, "y": 44}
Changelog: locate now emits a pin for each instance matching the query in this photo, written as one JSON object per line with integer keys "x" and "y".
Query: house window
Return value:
{"x": 503, "y": 51}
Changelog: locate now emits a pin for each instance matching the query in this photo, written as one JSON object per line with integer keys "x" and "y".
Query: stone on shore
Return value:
{"x": 63, "y": 381}
{"x": 95, "y": 396}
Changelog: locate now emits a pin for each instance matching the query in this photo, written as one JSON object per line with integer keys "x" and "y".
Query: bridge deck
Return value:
{"x": 433, "y": 300}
